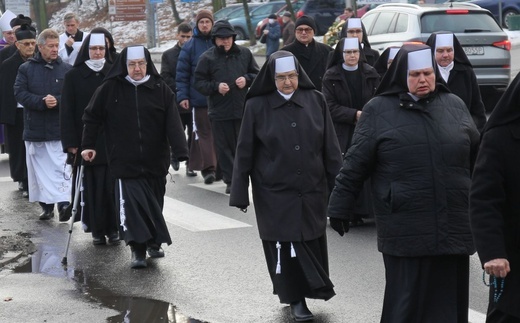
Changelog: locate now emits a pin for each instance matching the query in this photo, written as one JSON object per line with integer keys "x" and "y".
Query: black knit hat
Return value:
{"x": 306, "y": 20}
{"x": 223, "y": 29}
{"x": 25, "y": 32}
{"x": 20, "y": 20}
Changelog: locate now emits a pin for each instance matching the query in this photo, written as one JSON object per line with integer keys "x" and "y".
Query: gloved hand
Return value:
{"x": 339, "y": 225}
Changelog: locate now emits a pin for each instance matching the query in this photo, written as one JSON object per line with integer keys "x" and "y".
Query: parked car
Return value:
{"x": 509, "y": 8}
{"x": 485, "y": 43}
{"x": 261, "y": 11}
{"x": 261, "y": 24}
{"x": 224, "y": 12}
{"x": 324, "y": 12}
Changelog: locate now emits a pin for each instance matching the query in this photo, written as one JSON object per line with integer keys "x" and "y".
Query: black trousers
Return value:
{"x": 225, "y": 137}
{"x": 16, "y": 148}
{"x": 494, "y": 315}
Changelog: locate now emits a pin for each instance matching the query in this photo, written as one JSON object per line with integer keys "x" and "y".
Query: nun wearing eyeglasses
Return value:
{"x": 288, "y": 147}
{"x": 98, "y": 214}
{"x": 136, "y": 109}
{"x": 417, "y": 143}
{"x": 454, "y": 67}
{"x": 354, "y": 28}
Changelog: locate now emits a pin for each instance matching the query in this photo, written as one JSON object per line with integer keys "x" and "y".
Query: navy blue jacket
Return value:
{"x": 36, "y": 79}
{"x": 188, "y": 59}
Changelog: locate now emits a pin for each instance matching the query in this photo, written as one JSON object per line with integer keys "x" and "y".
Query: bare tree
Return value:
{"x": 252, "y": 38}
{"x": 176, "y": 16}
{"x": 290, "y": 9}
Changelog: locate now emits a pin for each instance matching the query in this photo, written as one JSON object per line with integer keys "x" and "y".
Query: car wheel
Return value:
{"x": 506, "y": 15}
{"x": 241, "y": 35}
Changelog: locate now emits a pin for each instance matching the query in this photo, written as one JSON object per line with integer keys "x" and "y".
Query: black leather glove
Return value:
{"x": 339, "y": 225}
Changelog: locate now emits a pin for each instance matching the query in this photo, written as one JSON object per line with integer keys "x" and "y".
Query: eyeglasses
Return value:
{"x": 283, "y": 78}
{"x": 301, "y": 30}
{"x": 95, "y": 48}
{"x": 351, "y": 52}
{"x": 133, "y": 65}
{"x": 27, "y": 43}
{"x": 354, "y": 31}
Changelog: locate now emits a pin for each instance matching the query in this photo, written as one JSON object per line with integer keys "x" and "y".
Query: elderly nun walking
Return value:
{"x": 287, "y": 145}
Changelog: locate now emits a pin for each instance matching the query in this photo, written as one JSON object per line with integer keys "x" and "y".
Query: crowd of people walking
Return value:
{"x": 321, "y": 134}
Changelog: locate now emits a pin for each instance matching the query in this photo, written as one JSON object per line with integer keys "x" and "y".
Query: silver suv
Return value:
{"x": 485, "y": 43}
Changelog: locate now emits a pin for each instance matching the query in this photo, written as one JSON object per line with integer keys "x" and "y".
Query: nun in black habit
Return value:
{"x": 386, "y": 58}
{"x": 288, "y": 147}
{"x": 353, "y": 27}
{"x": 98, "y": 214}
{"x": 454, "y": 68}
{"x": 495, "y": 206}
{"x": 137, "y": 111}
{"x": 417, "y": 144}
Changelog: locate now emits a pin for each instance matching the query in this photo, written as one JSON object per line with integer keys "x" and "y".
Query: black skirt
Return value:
{"x": 140, "y": 209}
{"x": 303, "y": 276}
{"x": 428, "y": 289}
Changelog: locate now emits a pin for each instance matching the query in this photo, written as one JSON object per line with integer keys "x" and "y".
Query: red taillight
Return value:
{"x": 505, "y": 44}
{"x": 299, "y": 14}
{"x": 457, "y": 11}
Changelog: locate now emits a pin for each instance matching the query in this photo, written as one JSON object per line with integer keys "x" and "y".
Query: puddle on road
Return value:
{"x": 132, "y": 309}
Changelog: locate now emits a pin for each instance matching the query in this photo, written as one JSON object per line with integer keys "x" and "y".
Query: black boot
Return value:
{"x": 138, "y": 256}
{"x": 300, "y": 312}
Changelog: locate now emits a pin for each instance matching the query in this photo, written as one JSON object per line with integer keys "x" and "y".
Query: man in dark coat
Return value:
{"x": 98, "y": 214}
{"x": 169, "y": 72}
{"x": 37, "y": 88}
{"x": 136, "y": 109}
{"x": 11, "y": 112}
{"x": 417, "y": 144}
{"x": 202, "y": 149}
{"x": 354, "y": 27}
{"x": 495, "y": 206}
{"x": 223, "y": 74}
{"x": 454, "y": 67}
{"x": 287, "y": 29}
{"x": 348, "y": 85}
{"x": 311, "y": 54}
{"x": 288, "y": 147}
{"x": 15, "y": 24}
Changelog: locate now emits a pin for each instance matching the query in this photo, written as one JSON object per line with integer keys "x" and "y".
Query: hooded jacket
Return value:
{"x": 419, "y": 156}
{"x": 188, "y": 59}
{"x": 140, "y": 122}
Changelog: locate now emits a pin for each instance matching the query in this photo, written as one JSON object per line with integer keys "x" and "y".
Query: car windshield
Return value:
{"x": 465, "y": 23}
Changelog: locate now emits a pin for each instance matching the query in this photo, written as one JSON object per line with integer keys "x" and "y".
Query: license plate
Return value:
{"x": 474, "y": 50}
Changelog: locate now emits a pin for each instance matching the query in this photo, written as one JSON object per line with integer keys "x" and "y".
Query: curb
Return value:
{"x": 9, "y": 257}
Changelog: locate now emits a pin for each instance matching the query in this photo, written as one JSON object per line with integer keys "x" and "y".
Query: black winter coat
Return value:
{"x": 216, "y": 66}
{"x": 418, "y": 156}
{"x": 313, "y": 58}
{"x": 290, "y": 151}
{"x": 80, "y": 84}
{"x": 495, "y": 206}
{"x": 139, "y": 121}
{"x": 8, "y": 104}
{"x": 36, "y": 78}
{"x": 339, "y": 99}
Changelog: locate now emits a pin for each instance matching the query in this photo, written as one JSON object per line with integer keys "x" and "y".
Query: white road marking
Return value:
{"x": 196, "y": 219}
{"x": 476, "y": 317}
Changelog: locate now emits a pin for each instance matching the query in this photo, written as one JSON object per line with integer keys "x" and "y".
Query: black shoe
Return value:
{"x": 190, "y": 173}
{"x": 113, "y": 238}
{"x": 99, "y": 241}
{"x": 175, "y": 164}
{"x": 300, "y": 312}
{"x": 228, "y": 188}
{"x": 138, "y": 258}
{"x": 65, "y": 213}
{"x": 46, "y": 215}
{"x": 155, "y": 253}
{"x": 209, "y": 178}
